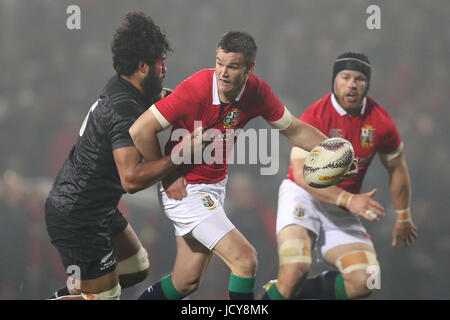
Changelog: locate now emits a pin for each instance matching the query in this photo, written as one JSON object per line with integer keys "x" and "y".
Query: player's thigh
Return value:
{"x": 294, "y": 231}
{"x": 345, "y": 249}
{"x": 237, "y": 253}
{"x": 133, "y": 262}
{"x": 126, "y": 243}
{"x": 191, "y": 261}
{"x": 296, "y": 207}
{"x": 354, "y": 260}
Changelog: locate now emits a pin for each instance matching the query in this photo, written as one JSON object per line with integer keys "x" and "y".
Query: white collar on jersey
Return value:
{"x": 341, "y": 110}
{"x": 215, "y": 92}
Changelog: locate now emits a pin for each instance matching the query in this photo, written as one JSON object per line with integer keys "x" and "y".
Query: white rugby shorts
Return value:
{"x": 332, "y": 225}
{"x": 200, "y": 214}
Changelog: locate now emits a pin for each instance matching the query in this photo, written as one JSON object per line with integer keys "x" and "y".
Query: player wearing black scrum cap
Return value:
{"x": 328, "y": 219}
{"x": 99, "y": 249}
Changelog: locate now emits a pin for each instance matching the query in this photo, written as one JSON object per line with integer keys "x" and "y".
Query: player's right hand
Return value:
{"x": 363, "y": 205}
{"x": 175, "y": 189}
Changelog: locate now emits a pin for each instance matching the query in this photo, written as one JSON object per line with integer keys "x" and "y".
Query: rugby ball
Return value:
{"x": 328, "y": 162}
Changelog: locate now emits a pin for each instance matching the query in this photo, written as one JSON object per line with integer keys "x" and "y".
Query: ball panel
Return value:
{"x": 327, "y": 162}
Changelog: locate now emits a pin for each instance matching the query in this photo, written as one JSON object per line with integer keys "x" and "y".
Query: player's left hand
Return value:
{"x": 406, "y": 231}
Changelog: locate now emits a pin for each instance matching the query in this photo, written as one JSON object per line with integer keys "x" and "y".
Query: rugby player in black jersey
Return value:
{"x": 99, "y": 249}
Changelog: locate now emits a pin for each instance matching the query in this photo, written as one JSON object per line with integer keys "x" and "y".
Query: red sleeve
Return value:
{"x": 309, "y": 117}
{"x": 391, "y": 139}
{"x": 178, "y": 103}
{"x": 273, "y": 108}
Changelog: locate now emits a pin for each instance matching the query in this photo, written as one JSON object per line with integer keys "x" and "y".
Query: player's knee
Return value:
{"x": 134, "y": 269}
{"x": 293, "y": 274}
{"x": 295, "y": 259}
{"x": 291, "y": 278}
{"x": 246, "y": 263}
{"x": 358, "y": 281}
{"x": 355, "y": 267}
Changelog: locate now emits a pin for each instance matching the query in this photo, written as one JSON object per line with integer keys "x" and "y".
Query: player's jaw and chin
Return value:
{"x": 152, "y": 84}
{"x": 231, "y": 73}
{"x": 350, "y": 89}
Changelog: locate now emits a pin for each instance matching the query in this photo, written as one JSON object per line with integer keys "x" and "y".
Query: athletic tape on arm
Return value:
{"x": 356, "y": 260}
{"x": 392, "y": 155}
{"x": 284, "y": 122}
{"x": 295, "y": 251}
{"x": 162, "y": 121}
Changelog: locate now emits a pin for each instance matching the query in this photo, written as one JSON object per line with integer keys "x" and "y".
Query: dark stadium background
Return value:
{"x": 50, "y": 76}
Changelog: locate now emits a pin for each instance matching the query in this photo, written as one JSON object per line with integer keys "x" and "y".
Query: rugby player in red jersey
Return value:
{"x": 223, "y": 98}
{"x": 328, "y": 219}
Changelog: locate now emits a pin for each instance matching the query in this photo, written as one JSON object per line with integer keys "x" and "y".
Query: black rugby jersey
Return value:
{"x": 88, "y": 185}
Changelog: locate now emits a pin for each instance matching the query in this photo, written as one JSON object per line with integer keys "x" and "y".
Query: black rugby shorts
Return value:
{"x": 86, "y": 248}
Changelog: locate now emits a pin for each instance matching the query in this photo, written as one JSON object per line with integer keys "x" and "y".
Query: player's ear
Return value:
{"x": 251, "y": 68}
{"x": 143, "y": 67}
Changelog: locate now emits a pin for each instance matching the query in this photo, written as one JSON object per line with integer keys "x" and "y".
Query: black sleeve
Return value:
{"x": 123, "y": 118}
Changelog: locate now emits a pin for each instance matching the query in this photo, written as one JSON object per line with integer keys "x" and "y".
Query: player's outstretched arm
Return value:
{"x": 400, "y": 186}
{"x": 359, "y": 204}
{"x": 303, "y": 135}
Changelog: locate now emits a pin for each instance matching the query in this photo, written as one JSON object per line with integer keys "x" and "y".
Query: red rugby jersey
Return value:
{"x": 197, "y": 99}
{"x": 372, "y": 131}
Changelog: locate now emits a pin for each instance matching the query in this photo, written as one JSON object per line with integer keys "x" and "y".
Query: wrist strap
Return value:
{"x": 403, "y": 215}
{"x": 343, "y": 200}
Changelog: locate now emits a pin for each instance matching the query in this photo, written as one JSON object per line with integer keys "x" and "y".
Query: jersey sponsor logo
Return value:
{"x": 208, "y": 202}
{"x": 367, "y": 136}
{"x": 299, "y": 212}
{"x": 231, "y": 119}
{"x": 335, "y": 133}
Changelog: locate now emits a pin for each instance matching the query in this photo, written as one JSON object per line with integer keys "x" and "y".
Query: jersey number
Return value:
{"x": 83, "y": 126}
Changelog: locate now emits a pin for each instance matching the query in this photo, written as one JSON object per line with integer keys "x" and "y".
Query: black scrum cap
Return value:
{"x": 352, "y": 61}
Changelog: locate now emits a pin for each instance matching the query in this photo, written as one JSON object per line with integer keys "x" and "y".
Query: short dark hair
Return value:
{"x": 137, "y": 39}
{"x": 239, "y": 41}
